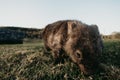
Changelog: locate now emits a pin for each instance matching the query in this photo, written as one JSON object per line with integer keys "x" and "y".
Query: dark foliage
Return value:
{"x": 16, "y": 35}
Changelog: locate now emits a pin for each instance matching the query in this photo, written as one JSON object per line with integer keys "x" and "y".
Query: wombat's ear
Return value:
{"x": 73, "y": 25}
{"x": 94, "y": 27}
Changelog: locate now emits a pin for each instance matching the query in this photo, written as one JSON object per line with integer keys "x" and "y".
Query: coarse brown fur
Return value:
{"x": 81, "y": 42}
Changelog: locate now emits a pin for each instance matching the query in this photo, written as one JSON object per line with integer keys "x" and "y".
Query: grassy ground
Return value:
{"x": 27, "y": 62}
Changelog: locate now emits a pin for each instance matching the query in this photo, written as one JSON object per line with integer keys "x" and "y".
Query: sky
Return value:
{"x": 39, "y": 13}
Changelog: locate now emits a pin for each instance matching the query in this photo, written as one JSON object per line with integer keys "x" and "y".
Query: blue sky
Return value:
{"x": 39, "y": 13}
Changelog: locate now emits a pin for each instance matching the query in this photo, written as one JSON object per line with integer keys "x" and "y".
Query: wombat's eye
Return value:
{"x": 78, "y": 55}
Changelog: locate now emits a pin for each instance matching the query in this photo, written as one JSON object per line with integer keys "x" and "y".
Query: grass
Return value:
{"x": 28, "y": 62}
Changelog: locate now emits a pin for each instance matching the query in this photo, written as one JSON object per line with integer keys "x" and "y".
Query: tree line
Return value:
{"x": 13, "y": 35}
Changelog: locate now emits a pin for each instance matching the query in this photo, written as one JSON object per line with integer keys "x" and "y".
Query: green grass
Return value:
{"x": 28, "y": 62}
